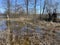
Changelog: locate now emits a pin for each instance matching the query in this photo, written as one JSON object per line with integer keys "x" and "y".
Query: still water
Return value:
{"x": 3, "y": 25}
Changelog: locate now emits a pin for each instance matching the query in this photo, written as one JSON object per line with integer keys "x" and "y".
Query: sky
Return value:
{"x": 19, "y": 2}
{"x": 22, "y": 2}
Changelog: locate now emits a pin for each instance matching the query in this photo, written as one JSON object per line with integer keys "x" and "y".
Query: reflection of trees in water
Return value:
{"x": 34, "y": 37}
{"x": 3, "y": 25}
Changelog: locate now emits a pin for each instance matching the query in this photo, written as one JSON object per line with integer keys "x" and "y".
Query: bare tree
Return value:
{"x": 15, "y": 5}
{"x": 9, "y": 31}
{"x": 35, "y": 6}
{"x": 26, "y": 3}
{"x": 40, "y": 9}
{"x": 7, "y": 4}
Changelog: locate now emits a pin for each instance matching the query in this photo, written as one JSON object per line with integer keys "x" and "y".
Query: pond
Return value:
{"x": 3, "y": 25}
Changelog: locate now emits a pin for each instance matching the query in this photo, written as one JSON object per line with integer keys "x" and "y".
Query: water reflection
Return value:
{"x": 3, "y": 25}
